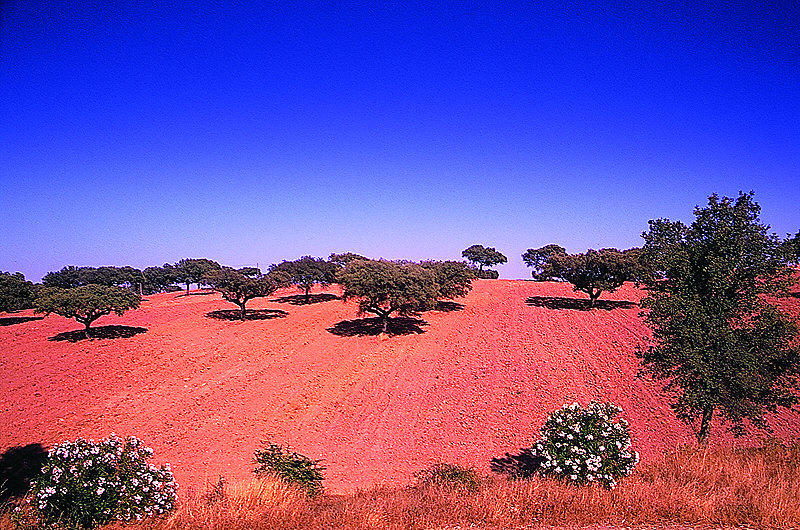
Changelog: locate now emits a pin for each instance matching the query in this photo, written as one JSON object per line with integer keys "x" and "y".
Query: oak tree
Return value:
{"x": 85, "y": 303}
{"x": 241, "y": 286}
{"x": 193, "y": 270}
{"x": 386, "y": 287}
{"x": 719, "y": 342}
{"x": 308, "y": 271}
{"x": 483, "y": 257}
{"x": 540, "y": 260}
{"x": 15, "y": 292}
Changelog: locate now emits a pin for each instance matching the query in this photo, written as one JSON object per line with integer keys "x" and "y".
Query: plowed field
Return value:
{"x": 463, "y": 385}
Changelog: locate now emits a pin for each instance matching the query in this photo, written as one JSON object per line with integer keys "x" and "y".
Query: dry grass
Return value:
{"x": 757, "y": 488}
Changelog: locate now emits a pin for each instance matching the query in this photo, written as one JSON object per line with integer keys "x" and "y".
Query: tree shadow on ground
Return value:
{"x": 521, "y": 465}
{"x": 99, "y": 332}
{"x": 373, "y": 326}
{"x": 580, "y": 304}
{"x": 446, "y": 306}
{"x": 300, "y": 299}
{"x": 18, "y": 467}
{"x": 252, "y": 314}
{"x": 10, "y": 321}
{"x": 205, "y": 292}
{"x": 795, "y": 295}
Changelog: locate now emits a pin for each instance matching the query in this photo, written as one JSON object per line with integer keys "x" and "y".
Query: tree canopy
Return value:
{"x": 385, "y": 287}
{"x": 15, "y": 292}
{"x": 241, "y": 286}
{"x": 719, "y": 343}
{"x": 193, "y": 270}
{"x": 592, "y": 272}
{"x": 85, "y": 303}
{"x": 341, "y": 260}
{"x": 483, "y": 257}
{"x": 72, "y": 276}
{"x": 540, "y": 260}
{"x": 159, "y": 279}
{"x": 308, "y": 271}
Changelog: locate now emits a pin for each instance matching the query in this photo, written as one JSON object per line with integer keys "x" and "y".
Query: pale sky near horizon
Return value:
{"x": 142, "y": 132}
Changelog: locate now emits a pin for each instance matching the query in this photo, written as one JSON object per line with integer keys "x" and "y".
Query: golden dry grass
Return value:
{"x": 756, "y": 488}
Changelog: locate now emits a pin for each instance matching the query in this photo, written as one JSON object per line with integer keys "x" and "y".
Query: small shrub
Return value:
{"x": 290, "y": 467}
{"x": 442, "y": 474}
{"x": 85, "y": 484}
{"x": 584, "y": 445}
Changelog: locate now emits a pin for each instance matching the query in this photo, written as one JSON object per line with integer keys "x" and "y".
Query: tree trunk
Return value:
{"x": 593, "y": 296}
{"x": 385, "y": 322}
{"x": 308, "y": 296}
{"x": 242, "y": 315}
{"x": 705, "y": 426}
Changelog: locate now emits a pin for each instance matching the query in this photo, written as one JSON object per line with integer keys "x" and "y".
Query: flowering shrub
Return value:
{"x": 85, "y": 484}
{"x": 584, "y": 445}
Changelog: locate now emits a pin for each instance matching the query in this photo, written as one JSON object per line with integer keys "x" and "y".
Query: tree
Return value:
{"x": 540, "y": 260}
{"x": 192, "y": 270}
{"x": 69, "y": 276}
{"x": 85, "y": 303}
{"x": 593, "y": 272}
{"x": 385, "y": 287}
{"x": 341, "y": 260}
{"x": 792, "y": 248}
{"x": 158, "y": 279}
{"x": 453, "y": 278}
{"x": 239, "y": 288}
{"x": 483, "y": 256}
{"x": 15, "y": 292}
{"x": 308, "y": 271}
{"x": 719, "y": 343}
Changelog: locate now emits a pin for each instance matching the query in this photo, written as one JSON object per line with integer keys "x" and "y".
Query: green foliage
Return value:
{"x": 585, "y": 445}
{"x": 487, "y": 274}
{"x": 193, "y": 270}
{"x": 540, "y": 260}
{"x": 384, "y": 287}
{"x": 341, "y": 260}
{"x": 85, "y": 484}
{"x": 442, "y": 474}
{"x": 158, "y": 279}
{"x": 71, "y": 276}
{"x": 290, "y": 467}
{"x": 86, "y": 303}
{"x": 483, "y": 256}
{"x": 307, "y": 271}
{"x": 453, "y": 278}
{"x": 718, "y": 342}
{"x": 791, "y": 248}
{"x": 15, "y": 292}
{"x": 239, "y": 288}
{"x": 593, "y": 272}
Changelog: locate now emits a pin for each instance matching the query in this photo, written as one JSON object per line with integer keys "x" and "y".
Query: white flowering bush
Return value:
{"x": 85, "y": 484}
{"x": 585, "y": 445}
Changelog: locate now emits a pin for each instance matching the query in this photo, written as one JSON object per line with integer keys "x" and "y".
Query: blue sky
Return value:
{"x": 138, "y": 133}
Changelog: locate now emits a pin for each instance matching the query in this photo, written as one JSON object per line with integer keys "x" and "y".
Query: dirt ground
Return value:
{"x": 468, "y": 383}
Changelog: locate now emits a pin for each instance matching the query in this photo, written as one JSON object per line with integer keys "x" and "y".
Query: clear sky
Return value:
{"x": 142, "y": 132}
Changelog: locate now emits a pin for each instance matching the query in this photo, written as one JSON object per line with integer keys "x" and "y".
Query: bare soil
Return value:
{"x": 465, "y": 384}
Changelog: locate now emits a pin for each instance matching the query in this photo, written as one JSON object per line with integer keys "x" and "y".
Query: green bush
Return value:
{"x": 85, "y": 484}
{"x": 290, "y": 467}
{"x": 584, "y": 445}
{"x": 442, "y": 474}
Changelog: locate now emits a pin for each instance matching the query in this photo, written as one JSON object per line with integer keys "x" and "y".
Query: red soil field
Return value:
{"x": 204, "y": 392}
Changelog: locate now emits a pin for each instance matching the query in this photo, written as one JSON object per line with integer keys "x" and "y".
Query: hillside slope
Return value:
{"x": 203, "y": 392}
